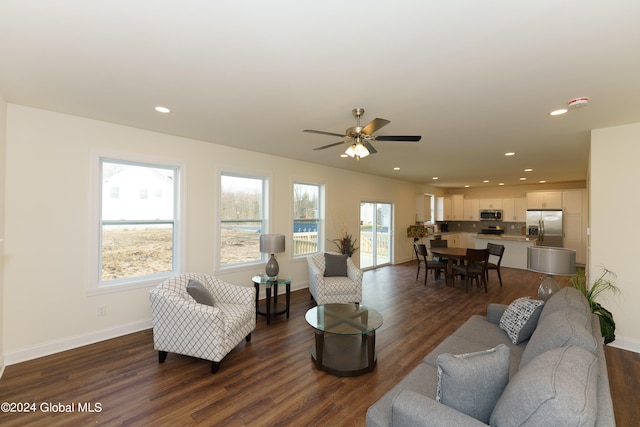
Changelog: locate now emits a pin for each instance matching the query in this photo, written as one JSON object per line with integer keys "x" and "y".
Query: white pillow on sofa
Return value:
{"x": 472, "y": 383}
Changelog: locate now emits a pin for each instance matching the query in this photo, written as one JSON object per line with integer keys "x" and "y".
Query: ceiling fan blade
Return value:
{"x": 330, "y": 145}
{"x": 407, "y": 138}
{"x": 324, "y": 133}
{"x": 374, "y": 125}
{"x": 370, "y": 148}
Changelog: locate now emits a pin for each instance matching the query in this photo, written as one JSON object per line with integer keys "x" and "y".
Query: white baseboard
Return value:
{"x": 626, "y": 344}
{"x": 68, "y": 343}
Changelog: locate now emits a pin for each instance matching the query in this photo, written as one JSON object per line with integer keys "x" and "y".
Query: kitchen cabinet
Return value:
{"x": 439, "y": 205}
{"x": 572, "y": 201}
{"x": 453, "y": 208}
{"x": 574, "y": 204}
{"x": 471, "y": 210}
{"x": 490, "y": 203}
{"x": 544, "y": 200}
{"x": 514, "y": 210}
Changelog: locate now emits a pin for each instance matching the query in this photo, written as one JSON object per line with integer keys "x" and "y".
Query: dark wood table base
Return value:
{"x": 344, "y": 355}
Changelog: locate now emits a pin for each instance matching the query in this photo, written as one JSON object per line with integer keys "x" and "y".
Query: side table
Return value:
{"x": 270, "y": 308}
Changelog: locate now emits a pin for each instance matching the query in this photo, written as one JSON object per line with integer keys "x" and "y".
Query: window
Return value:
{"x": 138, "y": 234}
{"x": 242, "y": 202}
{"x": 306, "y": 218}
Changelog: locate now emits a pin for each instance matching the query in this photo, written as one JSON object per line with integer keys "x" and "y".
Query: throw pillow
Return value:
{"x": 472, "y": 383}
{"x": 520, "y": 318}
{"x": 199, "y": 292}
{"x": 557, "y": 388}
{"x": 335, "y": 265}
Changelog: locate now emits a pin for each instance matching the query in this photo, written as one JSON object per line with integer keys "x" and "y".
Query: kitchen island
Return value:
{"x": 515, "y": 247}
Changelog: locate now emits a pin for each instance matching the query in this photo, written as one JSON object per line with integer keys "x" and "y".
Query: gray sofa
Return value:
{"x": 555, "y": 375}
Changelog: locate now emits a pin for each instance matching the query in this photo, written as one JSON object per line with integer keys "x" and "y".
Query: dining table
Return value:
{"x": 450, "y": 254}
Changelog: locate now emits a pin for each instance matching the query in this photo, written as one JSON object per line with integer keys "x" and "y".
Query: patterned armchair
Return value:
{"x": 182, "y": 325}
{"x": 335, "y": 289}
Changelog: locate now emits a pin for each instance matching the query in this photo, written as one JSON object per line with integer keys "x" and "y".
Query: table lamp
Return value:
{"x": 551, "y": 261}
{"x": 272, "y": 244}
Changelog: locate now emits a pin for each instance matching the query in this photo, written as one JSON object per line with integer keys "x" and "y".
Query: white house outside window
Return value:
{"x": 242, "y": 219}
{"x": 138, "y": 234}
{"x": 306, "y": 218}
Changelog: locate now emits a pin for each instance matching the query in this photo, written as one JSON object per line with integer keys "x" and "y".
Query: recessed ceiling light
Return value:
{"x": 467, "y": 186}
{"x": 434, "y": 178}
{"x": 163, "y": 110}
{"x": 523, "y": 178}
{"x": 511, "y": 153}
{"x": 542, "y": 182}
{"x": 528, "y": 170}
{"x": 485, "y": 181}
{"x": 343, "y": 155}
{"x": 396, "y": 168}
{"x": 502, "y": 183}
{"x": 559, "y": 112}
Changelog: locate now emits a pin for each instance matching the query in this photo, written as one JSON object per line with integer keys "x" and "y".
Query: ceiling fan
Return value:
{"x": 360, "y": 138}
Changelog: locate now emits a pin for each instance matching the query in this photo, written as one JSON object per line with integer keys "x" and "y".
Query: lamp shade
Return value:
{"x": 271, "y": 243}
{"x": 552, "y": 261}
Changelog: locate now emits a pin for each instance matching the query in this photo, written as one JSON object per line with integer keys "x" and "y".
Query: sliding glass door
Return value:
{"x": 375, "y": 234}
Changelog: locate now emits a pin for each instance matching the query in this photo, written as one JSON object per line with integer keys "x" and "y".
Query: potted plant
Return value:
{"x": 346, "y": 244}
{"x": 602, "y": 284}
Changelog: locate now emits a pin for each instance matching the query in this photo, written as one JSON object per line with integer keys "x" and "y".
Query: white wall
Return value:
{"x": 615, "y": 235}
{"x": 3, "y": 127}
{"x": 48, "y": 214}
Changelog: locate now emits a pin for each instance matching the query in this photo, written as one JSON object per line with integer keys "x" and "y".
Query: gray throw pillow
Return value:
{"x": 557, "y": 388}
{"x": 472, "y": 383}
{"x": 520, "y": 319}
{"x": 199, "y": 292}
{"x": 335, "y": 265}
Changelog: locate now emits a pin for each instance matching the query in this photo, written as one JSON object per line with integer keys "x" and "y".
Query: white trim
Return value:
{"x": 68, "y": 343}
{"x": 267, "y": 199}
{"x": 94, "y": 287}
{"x": 629, "y": 344}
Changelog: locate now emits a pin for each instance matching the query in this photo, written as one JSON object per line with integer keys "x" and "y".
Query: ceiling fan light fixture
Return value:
{"x": 357, "y": 150}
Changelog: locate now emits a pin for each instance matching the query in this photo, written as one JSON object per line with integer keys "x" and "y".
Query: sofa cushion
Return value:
{"x": 557, "y": 388}
{"x": 567, "y": 297}
{"x": 520, "y": 319}
{"x": 559, "y": 329}
{"x": 472, "y": 383}
{"x": 199, "y": 292}
{"x": 335, "y": 265}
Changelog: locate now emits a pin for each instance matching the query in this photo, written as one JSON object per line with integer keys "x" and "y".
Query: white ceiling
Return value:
{"x": 475, "y": 78}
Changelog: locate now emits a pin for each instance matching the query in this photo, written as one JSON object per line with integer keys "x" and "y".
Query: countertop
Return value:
{"x": 509, "y": 237}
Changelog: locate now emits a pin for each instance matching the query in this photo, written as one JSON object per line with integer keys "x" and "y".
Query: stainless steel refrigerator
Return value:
{"x": 546, "y": 225}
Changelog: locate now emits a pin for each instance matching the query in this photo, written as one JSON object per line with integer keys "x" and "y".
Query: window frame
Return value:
{"x": 98, "y": 286}
{"x": 321, "y": 216}
{"x": 266, "y": 226}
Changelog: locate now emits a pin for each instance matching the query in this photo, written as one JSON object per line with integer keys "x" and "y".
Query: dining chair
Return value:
{"x": 436, "y": 266}
{"x": 475, "y": 267}
{"x": 440, "y": 243}
{"x": 496, "y": 251}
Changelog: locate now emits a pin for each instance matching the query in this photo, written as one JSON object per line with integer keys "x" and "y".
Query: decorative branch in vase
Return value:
{"x": 346, "y": 244}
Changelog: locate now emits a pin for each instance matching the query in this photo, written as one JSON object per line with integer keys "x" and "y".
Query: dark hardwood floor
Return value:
{"x": 271, "y": 380}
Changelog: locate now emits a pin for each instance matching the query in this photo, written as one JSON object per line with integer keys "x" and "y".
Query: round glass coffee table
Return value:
{"x": 349, "y": 347}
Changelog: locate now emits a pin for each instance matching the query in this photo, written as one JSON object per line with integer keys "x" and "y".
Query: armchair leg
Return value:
{"x": 162, "y": 356}
{"x": 214, "y": 367}
{"x": 248, "y": 338}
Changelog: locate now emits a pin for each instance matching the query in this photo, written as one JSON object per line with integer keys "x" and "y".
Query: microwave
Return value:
{"x": 490, "y": 215}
